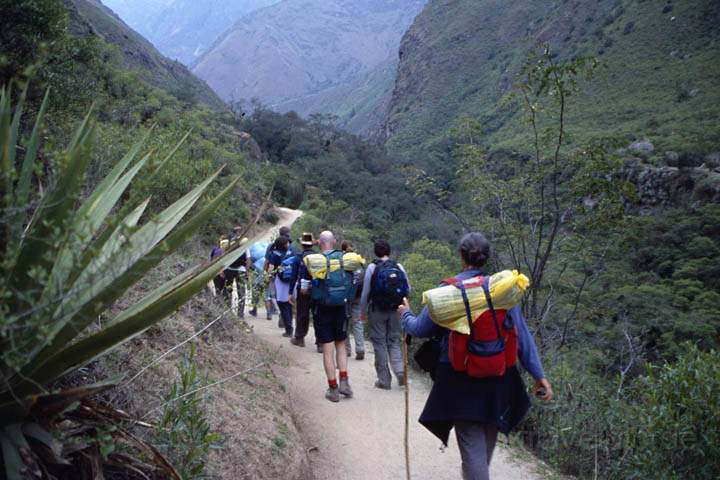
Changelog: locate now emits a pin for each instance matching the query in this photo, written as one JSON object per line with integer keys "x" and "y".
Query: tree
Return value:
{"x": 543, "y": 209}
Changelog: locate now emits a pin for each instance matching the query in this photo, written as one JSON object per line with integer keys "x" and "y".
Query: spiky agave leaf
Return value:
{"x": 115, "y": 253}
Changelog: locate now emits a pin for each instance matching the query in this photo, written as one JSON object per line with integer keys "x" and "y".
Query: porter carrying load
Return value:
{"x": 447, "y": 308}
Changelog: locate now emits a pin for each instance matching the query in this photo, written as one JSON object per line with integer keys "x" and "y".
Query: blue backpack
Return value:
{"x": 277, "y": 256}
{"x": 289, "y": 269}
{"x": 389, "y": 285}
{"x": 337, "y": 285}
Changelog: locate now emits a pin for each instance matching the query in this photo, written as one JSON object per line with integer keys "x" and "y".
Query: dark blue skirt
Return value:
{"x": 455, "y": 396}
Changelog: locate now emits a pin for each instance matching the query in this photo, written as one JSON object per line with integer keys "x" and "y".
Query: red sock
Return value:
{"x": 332, "y": 383}
{"x": 343, "y": 374}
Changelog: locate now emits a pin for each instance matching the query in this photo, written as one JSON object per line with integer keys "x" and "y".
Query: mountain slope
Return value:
{"x": 330, "y": 57}
{"x": 184, "y": 29}
{"x": 91, "y": 17}
{"x": 461, "y": 57}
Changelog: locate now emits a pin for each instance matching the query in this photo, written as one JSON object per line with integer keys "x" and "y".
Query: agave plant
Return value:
{"x": 66, "y": 258}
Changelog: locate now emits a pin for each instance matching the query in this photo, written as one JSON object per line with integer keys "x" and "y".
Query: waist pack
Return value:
{"x": 337, "y": 284}
{"x": 389, "y": 285}
{"x": 492, "y": 345}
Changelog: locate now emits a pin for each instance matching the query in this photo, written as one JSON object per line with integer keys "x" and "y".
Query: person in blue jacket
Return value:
{"x": 478, "y": 408}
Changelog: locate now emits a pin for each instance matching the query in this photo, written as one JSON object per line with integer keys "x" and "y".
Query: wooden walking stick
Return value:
{"x": 407, "y": 408}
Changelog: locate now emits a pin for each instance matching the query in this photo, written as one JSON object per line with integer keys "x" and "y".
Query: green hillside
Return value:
{"x": 660, "y": 81}
{"x": 612, "y": 212}
{"x": 88, "y": 58}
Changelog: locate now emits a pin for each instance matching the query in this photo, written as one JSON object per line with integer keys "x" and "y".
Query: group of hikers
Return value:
{"x": 477, "y": 388}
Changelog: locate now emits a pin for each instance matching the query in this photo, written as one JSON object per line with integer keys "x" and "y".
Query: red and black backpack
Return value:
{"x": 492, "y": 345}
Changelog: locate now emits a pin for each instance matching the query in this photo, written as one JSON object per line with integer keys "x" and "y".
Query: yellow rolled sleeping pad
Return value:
{"x": 316, "y": 264}
{"x": 447, "y": 309}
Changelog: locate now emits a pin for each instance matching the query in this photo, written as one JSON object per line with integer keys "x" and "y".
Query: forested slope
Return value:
{"x": 661, "y": 62}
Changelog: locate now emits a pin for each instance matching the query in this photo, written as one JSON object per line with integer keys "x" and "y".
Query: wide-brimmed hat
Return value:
{"x": 307, "y": 239}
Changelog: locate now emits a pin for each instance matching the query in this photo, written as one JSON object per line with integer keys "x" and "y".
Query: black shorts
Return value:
{"x": 330, "y": 323}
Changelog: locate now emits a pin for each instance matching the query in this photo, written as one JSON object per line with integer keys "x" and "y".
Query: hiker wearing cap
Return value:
{"x": 330, "y": 293}
{"x": 384, "y": 287}
{"x": 356, "y": 324}
{"x": 477, "y": 391}
{"x": 303, "y": 304}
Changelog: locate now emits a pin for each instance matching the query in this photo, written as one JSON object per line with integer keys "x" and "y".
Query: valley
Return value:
{"x": 581, "y": 137}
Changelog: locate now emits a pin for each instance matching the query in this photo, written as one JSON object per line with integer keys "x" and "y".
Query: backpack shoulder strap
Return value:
{"x": 377, "y": 264}
{"x": 488, "y": 299}
{"x": 468, "y": 313}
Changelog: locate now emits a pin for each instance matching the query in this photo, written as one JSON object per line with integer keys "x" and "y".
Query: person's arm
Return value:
{"x": 406, "y": 277}
{"x": 365, "y": 296}
{"x": 417, "y": 326}
{"x": 528, "y": 354}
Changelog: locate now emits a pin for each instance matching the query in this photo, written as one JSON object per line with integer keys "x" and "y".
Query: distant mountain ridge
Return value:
{"x": 184, "y": 29}
{"x": 335, "y": 56}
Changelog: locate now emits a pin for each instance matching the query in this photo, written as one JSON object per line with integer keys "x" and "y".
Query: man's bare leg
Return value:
{"x": 328, "y": 360}
{"x": 341, "y": 356}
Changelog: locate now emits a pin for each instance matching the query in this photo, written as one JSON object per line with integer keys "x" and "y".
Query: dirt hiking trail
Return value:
{"x": 362, "y": 437}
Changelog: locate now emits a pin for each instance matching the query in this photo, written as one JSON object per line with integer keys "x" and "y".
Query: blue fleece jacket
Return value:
{"x": 423, "y": 326}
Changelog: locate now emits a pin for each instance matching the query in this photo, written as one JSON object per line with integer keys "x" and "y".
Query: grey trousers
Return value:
{"x": 357, "y": 328}
{"x": 385, "y": 337}
{"x": 476, "y": 442}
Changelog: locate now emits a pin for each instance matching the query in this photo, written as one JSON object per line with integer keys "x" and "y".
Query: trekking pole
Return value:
{"x": 407, "y": 408}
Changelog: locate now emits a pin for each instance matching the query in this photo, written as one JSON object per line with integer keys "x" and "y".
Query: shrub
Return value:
{"x": 678, "y": 433}
{"x": 586, "y": 426}
{"x": 184, "y": 431}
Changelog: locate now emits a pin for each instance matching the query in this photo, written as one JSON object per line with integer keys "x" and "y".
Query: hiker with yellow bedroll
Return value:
{"x": 354, "y": 320}
{"x": 331, "y": 285}
{"x": 478, "y": 389}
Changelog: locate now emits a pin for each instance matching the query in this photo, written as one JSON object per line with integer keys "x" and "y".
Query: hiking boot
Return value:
{"x": 360, "y": 356}
{"x": 333, "y": 394}
{"x": 287, "y": 334}
{"x": 298, "y": 342}
{"x": 381, "y": 386}
{"x": 344, "y": 388}
{"x": 253, "y": 312}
